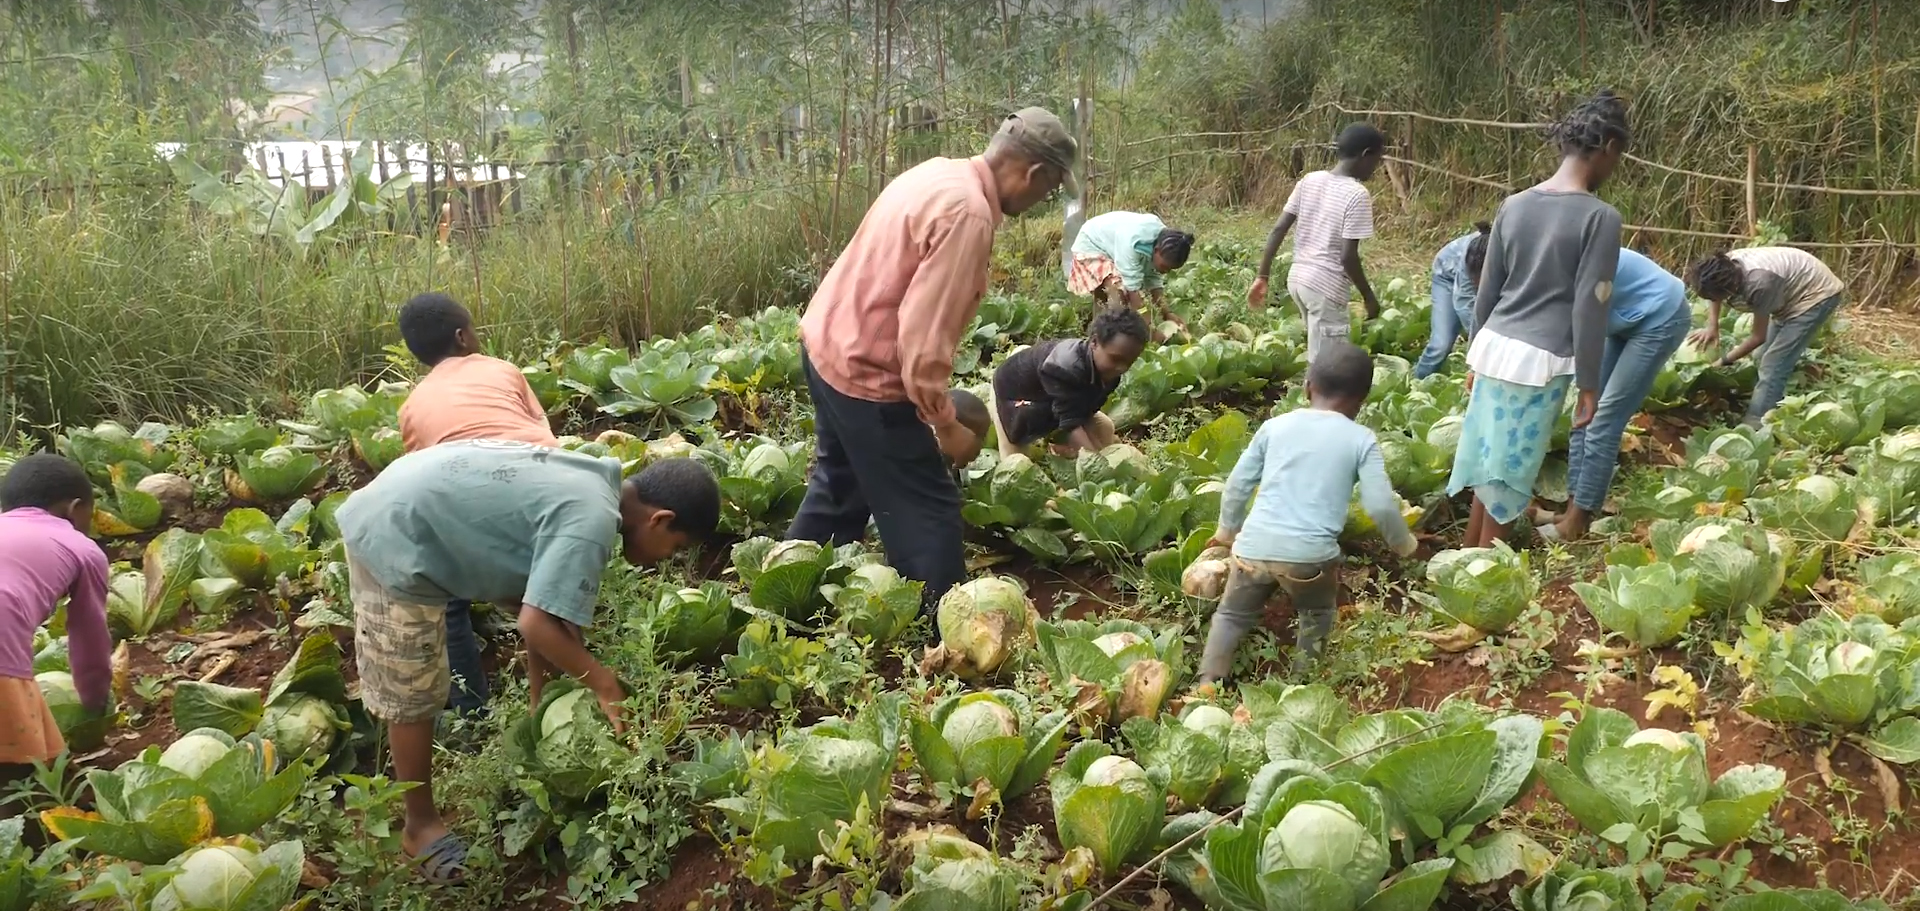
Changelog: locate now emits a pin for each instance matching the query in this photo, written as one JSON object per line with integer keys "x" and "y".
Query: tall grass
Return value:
{"x": 146, "y": 308}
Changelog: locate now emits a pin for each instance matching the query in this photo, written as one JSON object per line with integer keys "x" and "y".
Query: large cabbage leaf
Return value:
{"x": 1107, "y": 804}
{"x": 139, "y": 603}
{"x": 157, "y": 805}
{"x": 991, "y": 747}
{"x": 1656, "y": 782}
{"x": 253, "y": 550}
{"x": 1648, "y": 605}
{"x": 232, "y": 710}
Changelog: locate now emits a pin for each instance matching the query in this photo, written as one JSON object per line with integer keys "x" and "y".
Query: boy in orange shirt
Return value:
{"x": 465, "y": 395}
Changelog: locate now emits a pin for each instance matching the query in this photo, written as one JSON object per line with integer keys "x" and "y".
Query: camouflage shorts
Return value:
{"x": 400, "y": 647}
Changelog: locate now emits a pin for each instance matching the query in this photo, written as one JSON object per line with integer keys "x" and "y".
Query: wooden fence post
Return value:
{"x": 1753, "y": 195}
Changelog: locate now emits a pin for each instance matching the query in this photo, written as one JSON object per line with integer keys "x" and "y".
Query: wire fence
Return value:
{"x": 1117, "y": 167}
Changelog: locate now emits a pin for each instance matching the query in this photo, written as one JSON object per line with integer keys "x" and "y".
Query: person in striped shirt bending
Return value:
{"x": 1333, "y": 213}
{"x": 1791, "y": 295}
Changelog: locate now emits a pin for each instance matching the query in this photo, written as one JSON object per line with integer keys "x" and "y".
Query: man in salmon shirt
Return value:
{"x": 465, "y": 395}
{"x": 878, "y": 342}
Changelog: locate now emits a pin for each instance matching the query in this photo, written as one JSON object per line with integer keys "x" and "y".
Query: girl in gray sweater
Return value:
{"x": 1541, "y": 313}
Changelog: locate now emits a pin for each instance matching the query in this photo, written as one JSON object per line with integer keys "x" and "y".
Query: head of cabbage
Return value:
{"x": 1486, "y": 588}
{"x": 304, "y": 726}
{"x": 1326, "y": 836}
{"x": 948, "y": 872}
{"x": 788, "y": 553}
{"x": 981, "y": 623}
{"x": 566, "y": 744}
{"x": 1020, "y": 488}
{"x": 1107, "y": 804}
{"x": 195, "y": 753}
{"x": 236, "y": 876}
{"x": 990, "y": 745}
{"x": 80, "y": 728}
{"x": 766, "y": 461}
{"x": 1206, "y": 577}
{"x": 876, "y": 602}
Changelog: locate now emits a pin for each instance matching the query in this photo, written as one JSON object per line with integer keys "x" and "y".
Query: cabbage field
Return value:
{"x": 1713, "y": 704}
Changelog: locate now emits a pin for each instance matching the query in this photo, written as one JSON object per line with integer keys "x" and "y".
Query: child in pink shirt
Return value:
{"x": 46, "y": 509}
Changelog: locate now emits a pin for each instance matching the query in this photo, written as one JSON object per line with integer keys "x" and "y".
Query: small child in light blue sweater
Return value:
{"x": 1304, "y": 465}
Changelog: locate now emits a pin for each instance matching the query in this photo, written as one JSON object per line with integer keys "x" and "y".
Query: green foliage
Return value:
{"x": 1639, "y": 788}
{"x": 1107, "y": 804}
{"x": 1114, "y": 670}
{"x": 800, "y": 788}
{"x": 26, "y": 878}
{"x": 1850, "y": 675}
{"x": 1485, "y": 588}
{"x": 990, "y": 745}
{"x": 1648, "y": 605}
{"x": 159, "y": 804}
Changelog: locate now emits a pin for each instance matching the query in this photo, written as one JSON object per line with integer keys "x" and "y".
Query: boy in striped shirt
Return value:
{"x": 1333, "y": 213}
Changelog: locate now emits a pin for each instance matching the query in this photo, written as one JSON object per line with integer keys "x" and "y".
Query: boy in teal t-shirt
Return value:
{"x": 511, "y": 524}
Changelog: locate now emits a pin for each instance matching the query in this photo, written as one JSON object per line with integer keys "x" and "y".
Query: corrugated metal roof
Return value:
{"x": 310, "y": 161}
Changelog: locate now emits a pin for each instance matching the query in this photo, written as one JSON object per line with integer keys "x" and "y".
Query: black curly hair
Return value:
{"x": 685, "y": 487}
{"x": 1342, "y": 372}
{"x": 1360, "y": 139}
{"x": 1113, "y": 322}
{"x": 1592, "y": 125}
{"x": 1477, "y": 248}
{"x": 1176, "y": 246}
{"x": 429, "y": 323}
{"x": 1718, "y": 277}
{"x": 44, "y": 480}
{"x": 971, "y": 412}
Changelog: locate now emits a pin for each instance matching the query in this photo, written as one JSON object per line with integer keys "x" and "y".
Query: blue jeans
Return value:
{"x": 1787, "y": 339}
{"x": 468, "y": 696}
{"x": 1448, "y": 325}
{"x": 1632, "y": 362}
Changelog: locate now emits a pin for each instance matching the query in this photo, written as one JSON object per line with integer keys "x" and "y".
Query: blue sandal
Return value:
{"x": 444, "y": 862}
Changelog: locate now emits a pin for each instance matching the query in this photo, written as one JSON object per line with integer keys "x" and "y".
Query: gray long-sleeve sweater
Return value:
{"x": 1549, "y": 274}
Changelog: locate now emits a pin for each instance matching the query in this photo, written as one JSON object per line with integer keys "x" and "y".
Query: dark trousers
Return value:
{"x": 468, "y": 694}
{"x": 878, "y": 460}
